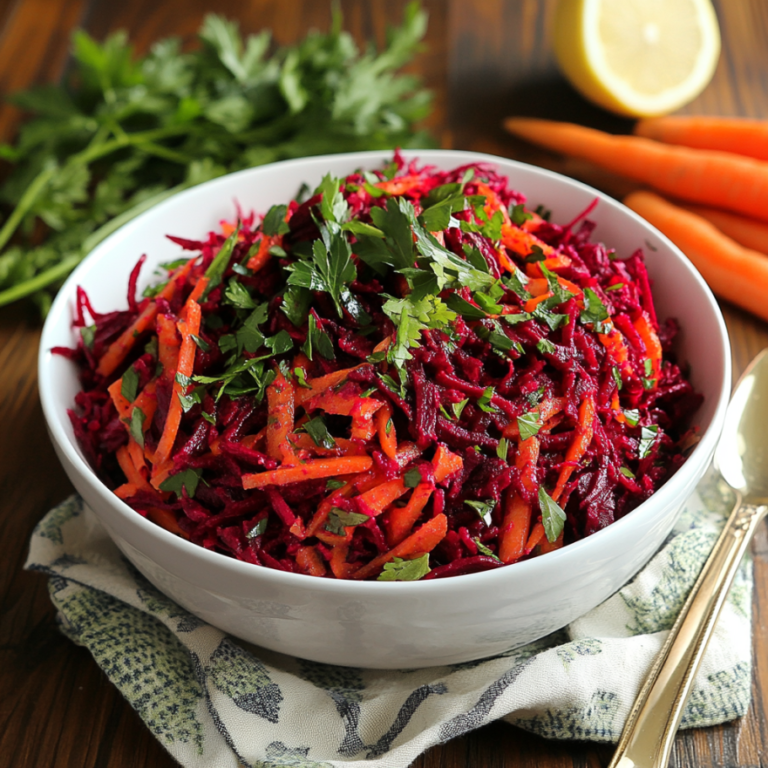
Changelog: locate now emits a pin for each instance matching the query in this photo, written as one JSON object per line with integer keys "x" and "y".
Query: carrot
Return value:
{"x": 577, "y": 449}
{"x": 165, "y": 519}
{"x": 492, "y": 202}
{"x": 445, "y": 463}
{"x": 734, "y": 273}
{"x": 531, "y": 304}
{"x": 122, "y": 404}
{"x": 537, "y": 534}
{"x": 168, "y": 344}
{"x": 262, "y": 256}
{"x": 280, "y": 409}
{"x": 740, "y": 135}
{"x": 188, "y": 328}
{"x": 375, "y": 501}
{"x": 514, "y": 530}
{"x": 552, "y": 263}
{"x": 339, "y": 566}
{"x": 386, "y": 429}
{"x": 746, "y": 231}
{"x": 132, "y": 475}
{"x": 647, "y": 333}
{"x": 704, "y": 176}
{"x": 197, "y": 292}
{"x": 312, "y": 470}
{"x": 399, "y": 186}
{"x": 523, "y": 242}
{"x": 344, "y": 404}
{"x": 548, "y": 408}
{"x": 402, "y": 519}
{"x": 311, "y": 561}
{"x": 322, "y": 383}
{"x": 344, "y": 447}
{"x": 423, "y": 540}
{"x": 119, "y": 349}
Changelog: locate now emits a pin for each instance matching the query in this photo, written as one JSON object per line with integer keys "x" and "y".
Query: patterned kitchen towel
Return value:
{"x": 212, "y": 700}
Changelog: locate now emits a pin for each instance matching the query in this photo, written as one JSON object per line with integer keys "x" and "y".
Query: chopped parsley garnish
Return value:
{"x": 338, "y": 520}
{"x": 319, "y": 433}
{"x": 130, "y": 384}
{"x": 187, "y": 479}
{"x": 412, "y": 478}
{"x": 528, "y": 424}
{"x": 648, "y": 437}
{"x": 405, "y": 570}
{"x": 484, "y": 509}
{"x": 552, "y": 516}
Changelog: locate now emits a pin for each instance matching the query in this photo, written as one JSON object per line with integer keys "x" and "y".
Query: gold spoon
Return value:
{"x": 742, "y": 458}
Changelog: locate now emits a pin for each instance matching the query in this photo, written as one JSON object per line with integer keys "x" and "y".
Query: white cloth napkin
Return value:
{"x": 212, "y": 700}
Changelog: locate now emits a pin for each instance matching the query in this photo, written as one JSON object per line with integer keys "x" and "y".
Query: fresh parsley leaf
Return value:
{"x": 201, "y": 344}
{"x": 334, "y": 485}
{"x": 484, "y": 401}
{"x": 129, "y": 384}
{"x": 398, "y": 569}
{"x": 519, "y": 215}
{"x": 458, "y": 408}
{"x": 358, "y": 228}
{"x": 594, "y": 312}
{"x": 136, "y": 425}
{"x": 614, "y": 287}
{"x": 217, "y": 268}
{"x": 187, "y": 479}
{"x": 545, "y": 346}
{"x": 462, "y": 307}
{"x": 616, "y": 377}
{"x": 317, "y": 340}
{"x": 484, "y": 509}
{"x": 295, "y": 304}
{"x": 333, "y": 206}
{"x": 274, "y": 222}
{"x": 280, "y": 343}
{"x": 412, "y": 478}
{"x": 627, "y": 473}
{"x": 237, "y": 295}
{"x": 632, "y": 417}
{"x": 329, "y": 270}
{"x": 248, "y": 337}
{"x": 301, "y": 378}
{"x": 257, "y": 529}
{"x": 319, "y": 433}
{"x": 648, "y": 437}
{"x": 338, "y": 520}
{"x": 87, "y": 334}
{"x": 483, "y": 550}
{"x": 502, "y": 448}
{"x": 552, "y": 516}
{"x": 528, "y": 424}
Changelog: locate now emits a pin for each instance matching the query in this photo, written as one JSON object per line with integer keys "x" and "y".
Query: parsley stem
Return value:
{"x": 63, "y": 268}
{"x": 88, "y": 155}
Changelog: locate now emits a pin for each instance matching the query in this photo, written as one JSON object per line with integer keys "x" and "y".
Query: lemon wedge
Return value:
{"x": 637, "y": 57}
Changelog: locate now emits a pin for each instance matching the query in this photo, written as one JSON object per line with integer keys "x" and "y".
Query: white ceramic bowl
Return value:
{"x": 388, "y": 624}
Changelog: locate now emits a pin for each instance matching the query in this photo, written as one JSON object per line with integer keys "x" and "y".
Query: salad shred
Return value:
{"x": 408, "y": 375}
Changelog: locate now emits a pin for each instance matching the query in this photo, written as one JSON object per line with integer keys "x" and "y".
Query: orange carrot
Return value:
{"x": 423, "y": 540}
{"x": 165, "y": 519}
{"x": 531, "y": 304}
{"x": 311, "y": 561}
{"x": 445, "y": 463}
{"x": 132, "y": 475}
{"x": 577, "y": 449}
{"x": 344, "y": 404}
{"x": 402, "y": 519}
{"x": 523, "y": 242}
{"x": 321, "y": 384}
{"x": 386, "y": 429}
{"x": 280, "y": 409}
{"x": 339, "y": 566}
{"x": 734, "y": 273}
{"x": 552, "y": 263}
{"x": 740, "y": 135}
{"x": 746, "y": 231}
{"x": 704, "y": 176}
{"x": 188, "y": 328}
{"x": 645, "y": 330}
{"x": 122, "y": 405}
{"x": 537, "y": 534}
{"x": 312, "y": 470}
{"x": 375, "y": 501}
{"x": 262, "y": 256}
{"x": 344, "y": 447}
{"x": 168, "y": 344}
{"x": 119, "y": 348}
{"x": 399, "y": 186}
{"x": 514, "y": 530}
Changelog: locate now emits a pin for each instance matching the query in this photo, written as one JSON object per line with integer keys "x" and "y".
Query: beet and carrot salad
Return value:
{"x": 408, "y": 375}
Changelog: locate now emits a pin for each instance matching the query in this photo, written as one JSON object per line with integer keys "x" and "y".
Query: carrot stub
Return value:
{"x": 577, "y": 449}
{"x": 280, "y": 413}
{"x": 734, "y": 273}
{"x": 711, "y": 177}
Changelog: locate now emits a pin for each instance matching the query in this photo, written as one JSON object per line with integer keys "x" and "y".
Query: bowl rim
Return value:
{"x": 526, "y": 570}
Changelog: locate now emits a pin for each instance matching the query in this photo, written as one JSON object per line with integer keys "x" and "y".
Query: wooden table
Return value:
{"x": 485, "y": 59}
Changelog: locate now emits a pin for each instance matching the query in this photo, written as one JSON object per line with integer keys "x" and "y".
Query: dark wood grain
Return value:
{"x": 486, "y": 59}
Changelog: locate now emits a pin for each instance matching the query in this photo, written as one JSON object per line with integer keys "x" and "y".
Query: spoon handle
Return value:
{"x": 649, "y": 732}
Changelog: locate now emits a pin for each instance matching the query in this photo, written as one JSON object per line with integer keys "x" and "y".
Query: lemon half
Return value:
{"x": 637, "y": 57}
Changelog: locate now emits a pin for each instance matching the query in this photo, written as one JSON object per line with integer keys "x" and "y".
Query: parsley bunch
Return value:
{"x": 124, "y": 134}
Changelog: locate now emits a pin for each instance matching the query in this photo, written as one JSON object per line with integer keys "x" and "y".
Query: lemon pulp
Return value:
{"x": 637, "y": 57}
